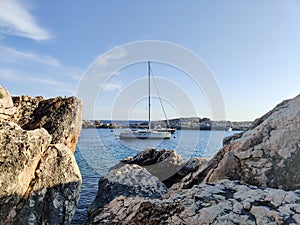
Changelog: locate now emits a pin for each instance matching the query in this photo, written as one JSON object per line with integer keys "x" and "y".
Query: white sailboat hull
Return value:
{"x": 149, "y": 134}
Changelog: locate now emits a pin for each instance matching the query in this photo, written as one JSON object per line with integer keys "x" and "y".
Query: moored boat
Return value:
{"x": 147, "y": 133}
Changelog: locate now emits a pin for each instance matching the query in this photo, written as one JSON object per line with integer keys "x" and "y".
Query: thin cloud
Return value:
{"x": 45, "y": 81}
{"x": 18, "y": 76}
{"x": 16, "y": 20}
{"x": 15, "y": 59}
{"x": 10, "y": 55}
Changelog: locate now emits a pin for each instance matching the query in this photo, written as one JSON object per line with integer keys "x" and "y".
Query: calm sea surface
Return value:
{"x": 99, "y": 149}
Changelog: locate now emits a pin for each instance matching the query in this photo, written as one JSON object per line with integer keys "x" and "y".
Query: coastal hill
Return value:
{"x": 39, "y": 177}
{"x": 189, "y": 123}
{"x": 253, "y": 179}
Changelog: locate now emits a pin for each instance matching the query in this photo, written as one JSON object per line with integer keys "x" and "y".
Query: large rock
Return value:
{"x": 39, "y": 178}
{"x": 129, "y": 180}
{"x": 224, "y": 202}
{"x": 267, "y": 155}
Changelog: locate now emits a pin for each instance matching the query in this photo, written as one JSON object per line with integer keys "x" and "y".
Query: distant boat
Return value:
{"x": 147, "y": 133}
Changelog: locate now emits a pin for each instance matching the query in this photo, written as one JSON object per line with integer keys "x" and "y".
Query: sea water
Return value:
{"x": 99, "y": 149}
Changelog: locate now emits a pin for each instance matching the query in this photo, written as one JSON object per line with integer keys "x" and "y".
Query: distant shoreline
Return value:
{"x": 190, "y": 123}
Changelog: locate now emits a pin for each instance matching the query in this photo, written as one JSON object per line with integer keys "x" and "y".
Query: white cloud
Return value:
{"x": 16, "y": 58}
{"x": 15, "y": 19}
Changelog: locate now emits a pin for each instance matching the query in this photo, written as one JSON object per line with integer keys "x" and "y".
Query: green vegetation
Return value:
{"x": 1, "y": 95}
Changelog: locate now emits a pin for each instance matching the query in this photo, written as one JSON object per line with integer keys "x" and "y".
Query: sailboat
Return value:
{"x": 146, "y": 133}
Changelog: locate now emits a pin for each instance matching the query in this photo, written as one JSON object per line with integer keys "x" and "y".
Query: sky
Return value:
{"x": 251, "y": 47}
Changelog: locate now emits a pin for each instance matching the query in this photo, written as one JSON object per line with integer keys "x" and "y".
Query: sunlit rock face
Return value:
{"x": 267, "y": 155}
{"x": 39, "y": 177}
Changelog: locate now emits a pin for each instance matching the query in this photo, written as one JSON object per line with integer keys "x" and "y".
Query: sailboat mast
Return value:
{"x": 149, "y": 93}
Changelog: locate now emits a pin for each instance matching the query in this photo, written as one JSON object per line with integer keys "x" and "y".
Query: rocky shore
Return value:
{"x": 39, "y": 177}
{"x": 253, "y": 179}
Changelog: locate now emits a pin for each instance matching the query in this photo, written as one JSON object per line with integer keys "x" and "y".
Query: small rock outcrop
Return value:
{"x": 129, "y": 180}
{"x": 267, "y": 155}
{"x": 160, "y": 163}
{"x": 222, "y": 202}
{"x": 39, "y": 177}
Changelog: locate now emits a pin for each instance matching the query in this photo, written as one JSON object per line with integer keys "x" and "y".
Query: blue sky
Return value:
{"x": 251, "y": 47}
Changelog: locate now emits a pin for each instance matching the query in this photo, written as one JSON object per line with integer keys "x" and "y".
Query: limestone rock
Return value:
{"x": 129, "y": 180}
{"x": 267, "y": 155}
{"x": 222, "y": 202}
{"x": 61, "y": 117}
{"x": 39, "y": 178}
{"x": 7, "y": 108}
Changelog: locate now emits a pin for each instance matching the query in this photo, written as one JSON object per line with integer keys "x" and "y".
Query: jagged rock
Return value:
{"x": 267, "y": 155}
{"x": 7, "y": 108}
{"x": 163, "y": 164}
{"x": 61, "y": 117}
{"x": 39, "y": 178}
{"x": 129, "y": 180}
{"x": 222, "y": 202}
